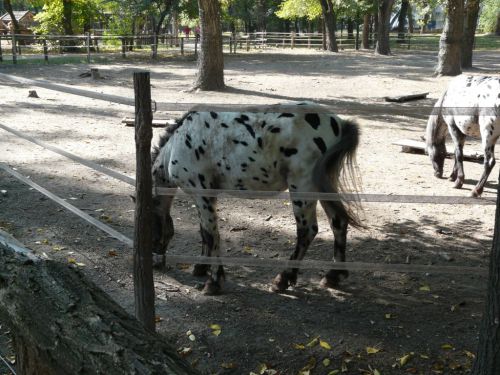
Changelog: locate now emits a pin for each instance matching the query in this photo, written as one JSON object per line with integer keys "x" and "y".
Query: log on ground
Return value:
{"x": 62, "y": 323}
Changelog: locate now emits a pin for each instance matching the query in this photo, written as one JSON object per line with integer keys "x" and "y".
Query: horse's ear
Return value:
{"x": 132, "y": 196}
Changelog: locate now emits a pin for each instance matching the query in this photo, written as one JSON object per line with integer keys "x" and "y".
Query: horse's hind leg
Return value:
{"x": 488, "y": 143}
{"x": 338, "y": 223}
{"x": 307, "y": 228}
{"x": 163, "y": 228}
{"x": 458, "y": 138}
{"x": 210, "y": 245}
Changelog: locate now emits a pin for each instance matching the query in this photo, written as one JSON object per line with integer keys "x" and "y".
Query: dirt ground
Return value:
{"x": 375, "y": 323}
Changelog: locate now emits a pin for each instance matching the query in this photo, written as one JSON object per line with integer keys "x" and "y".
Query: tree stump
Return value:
{"x": 33, "y": 94}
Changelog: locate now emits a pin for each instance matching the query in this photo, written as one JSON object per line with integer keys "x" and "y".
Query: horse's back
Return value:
{"x": 249, "y": 150}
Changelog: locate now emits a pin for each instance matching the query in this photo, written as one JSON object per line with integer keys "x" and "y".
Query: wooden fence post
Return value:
{"x": 154, "y": 46}
{"x": 87, "y": 42}
{"x": 143, "y": 263}
{"x": 248, "y": 42}
{"x": 45, "y": 50}
{"x": 182, "y": 45}
{"x": 293, "y": 40}
{"x": 14, "y": 52}
{"x": 195, "y": 46}
{"x": 123, "y": 47}
{"x": 1, "y": 57}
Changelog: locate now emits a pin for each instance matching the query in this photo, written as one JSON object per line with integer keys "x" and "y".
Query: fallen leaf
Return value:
{"x": 389, "y": 316}
{"x": 376, "y": 372}
{"x": 106, "y": 218}
{"x": 72, "y": 260}
{"x": 372, "y": 350}
{"x": 334, "y": 372}
{"x": 311, "y": 364}
{"x": 326, "y": 362}
{"x": 158, "y": 319}
{"x": 192, "y": 337}
{"x": 313, "y": 342}
{"x": 216, "y": 332}
{"x": 469, "y": 354}
{"x": 447, "y": 347}
{"x": 229, "y": 365}
{"x": 404, "y": 359}
{"x": 325, "y": 345}
{"x": 299, "y": 346}
{"x": 247, "y": 249}
{"x": 215, "y": 326}
{"x": 425, "y": 288}
{"x": 112, "y": 253}
{"x": 184, "y": 352}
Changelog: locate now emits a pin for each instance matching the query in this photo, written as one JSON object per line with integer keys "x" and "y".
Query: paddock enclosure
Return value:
{"x": 392, "y": 322}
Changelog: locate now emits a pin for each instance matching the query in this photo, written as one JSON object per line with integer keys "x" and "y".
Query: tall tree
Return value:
{"x": 210, "y": 59}
{"x": 8, "y": 8}
{"x": 330, "y": 20}
{"x": 366, "y": 31}
{"x": 488, "y": 354}
{"x": 471, "y": 17}
{"x": 403, "y": 14}
{"x": 67, "y": 17}
{"x": 384, "y": 17}
{"x": 450, "y": 43}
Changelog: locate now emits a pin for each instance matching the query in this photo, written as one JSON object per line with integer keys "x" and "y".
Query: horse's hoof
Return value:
{"x": 458, "y": 184}
{"x": 452, "y": 178}
{"x": 438, "y": 174}
{"x": 475, "y": 193}
{"x": 280, "y": 283}
{"x": 158, "y": 260}
{"x": 333, "y": 278}
{"x": 200, "y": 270}
{"x": 212, "y": 288}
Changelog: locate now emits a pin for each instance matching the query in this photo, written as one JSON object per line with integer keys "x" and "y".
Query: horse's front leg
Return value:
{"x": 210, "y": 245}
{"x": 307, "y": 228}
{"x": 458, "y": 138}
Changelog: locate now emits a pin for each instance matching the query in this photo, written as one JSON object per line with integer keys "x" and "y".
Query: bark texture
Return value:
{"x": 366, "y": 31}
{"x": 471, "y": 17}
{"x": 62, "y": 323}
{"x": 210, "y": 58}
{"x": 488, "y": 353}
{"x": 450, "y": 43}
{"x": 384, "y": 17}
{"x": 403, "y": 14}
{"x": 330, "y": 19}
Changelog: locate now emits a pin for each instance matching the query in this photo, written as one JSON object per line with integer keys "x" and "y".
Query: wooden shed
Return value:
{"x": 25, "y": 18}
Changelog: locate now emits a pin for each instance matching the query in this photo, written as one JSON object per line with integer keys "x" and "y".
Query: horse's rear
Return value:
{"x": 303, "y": 151}
{"x": 469, "y": 107}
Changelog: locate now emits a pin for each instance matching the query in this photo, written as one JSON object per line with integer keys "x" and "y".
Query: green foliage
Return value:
{"x": 50, "y": 19}
{"x": 488, "y": 15}
{"x": 292, "y": 9}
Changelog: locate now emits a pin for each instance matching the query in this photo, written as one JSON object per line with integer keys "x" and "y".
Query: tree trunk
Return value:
{"x": 488, "y": 354}
{"x": 497, "y": 28}
{"x": 403, "y": 13}
{"x": 350, "y": 28}
{"x": 210, "y": 58}
{"x": 67, "y": 17}
{"x": 260, "y": 15}
{"x": 330, "y": 25}
{"x": 423, "y": 28}
{"x": 471, "y": 17}
{"x": 366, "y": 31}
{"x": 384, "y": 15}
{"x": 450, "y": 43}
{"x": 62, "y": 323}
{"x": 8, "y": 8}
{"x": 410, "y": 19}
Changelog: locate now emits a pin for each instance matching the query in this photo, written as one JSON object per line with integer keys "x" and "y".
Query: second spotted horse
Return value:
{"x": 470, "y": 106}
{"x": 302, "y": 150}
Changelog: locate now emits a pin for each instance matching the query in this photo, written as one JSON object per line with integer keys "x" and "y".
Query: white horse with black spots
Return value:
{"x": 304, "y": 151}
{"x": 469, "y": 107}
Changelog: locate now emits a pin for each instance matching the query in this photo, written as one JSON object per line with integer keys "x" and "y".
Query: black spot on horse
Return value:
{"x": 263, "y": 125}
{"x": 201, "y": 150}
{"x": 244, "y": 143}
{"x": 214, "y": 115}
{"x": 202, "y": 181}
{"x": 313, "y": 120}
{"x": 251, "y": 159}
{"x": 263, "y": 170}
{"x": 286, "y": 115}
{"x": 244, "y": 165}
{"x": 275, "y": 130}
{"x": 320, "y": 143}
{"x": 188, "y": 137}
{"x": 259, "y": 142}
{"x": 335, "y": 126}
{"x": 185, "y": 169}
{"x": 161, "y": 166}
{"x": 288, "y": 151}
{"x": 188, "y": 144}
{"x": 192, "y": 183}
{"x": 256, "y": 179}
{"x": 293, "y": 187}
{"x": 250, "y": 130}
{"x": 228, "y": 168}
{"x": 207, "y": 124}
{"x": 224, "y": 125}
{"x": 235, "y": 141}
{"x": 197, "y": 154}
{"x": 219, "y": 164}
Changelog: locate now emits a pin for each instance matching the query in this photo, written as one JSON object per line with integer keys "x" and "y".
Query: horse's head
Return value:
{"x": 437, "y": 154}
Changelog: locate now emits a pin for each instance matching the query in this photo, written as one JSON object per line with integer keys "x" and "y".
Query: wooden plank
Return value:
{"x": 129, "y": 121}
{"x": 417, "y": 147}
{"x": 406, "y": 98}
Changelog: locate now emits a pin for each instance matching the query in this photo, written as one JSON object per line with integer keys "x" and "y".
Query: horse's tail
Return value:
{"x": 336, "y": 170}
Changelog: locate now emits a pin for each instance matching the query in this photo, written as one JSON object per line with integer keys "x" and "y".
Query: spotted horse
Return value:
{"x": 303, "y": 151}
{"x": 469, "y": 107}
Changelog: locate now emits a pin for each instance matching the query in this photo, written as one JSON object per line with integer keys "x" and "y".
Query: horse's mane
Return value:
{"x": 167, "y": 133}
